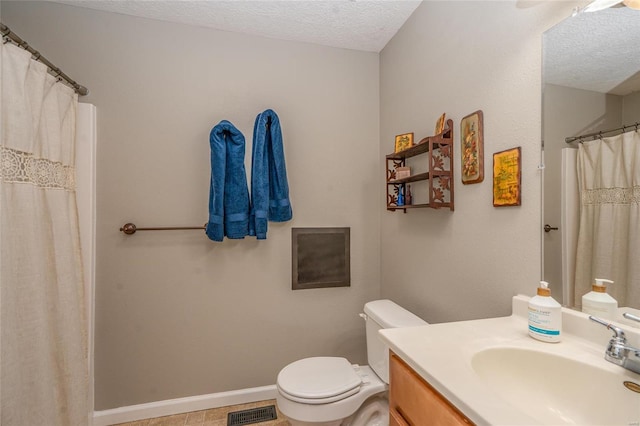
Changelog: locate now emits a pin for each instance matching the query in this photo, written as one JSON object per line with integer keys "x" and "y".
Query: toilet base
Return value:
{"x": 374, "y": 412}
{"x": 297, "y": 423}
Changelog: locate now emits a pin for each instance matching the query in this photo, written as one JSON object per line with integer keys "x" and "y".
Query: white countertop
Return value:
{"x": 442, "y": 353}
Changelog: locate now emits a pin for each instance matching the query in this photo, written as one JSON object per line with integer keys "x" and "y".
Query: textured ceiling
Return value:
{"x": 592, "y": 51}
{"x": 595, "y": 51}
{"x": 352, "y": 24}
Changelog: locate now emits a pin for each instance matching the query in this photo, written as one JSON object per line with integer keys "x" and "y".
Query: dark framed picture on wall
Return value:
{"x": 472, "y": 148}
{"x": 506, "y": 178}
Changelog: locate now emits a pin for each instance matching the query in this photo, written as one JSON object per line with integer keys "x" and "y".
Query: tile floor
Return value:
{"x": 212, "y": 417}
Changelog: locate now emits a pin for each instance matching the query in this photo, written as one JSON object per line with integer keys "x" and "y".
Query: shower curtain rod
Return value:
{"x": 9, "y": 35}
{"x": 600, "y": 134}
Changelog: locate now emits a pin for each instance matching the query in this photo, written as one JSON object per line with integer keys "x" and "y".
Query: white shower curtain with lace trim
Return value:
{"x": 609, "y": 233}
{"x": 43, "y": 359}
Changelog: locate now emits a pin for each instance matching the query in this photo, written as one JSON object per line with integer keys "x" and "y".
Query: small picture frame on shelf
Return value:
{"x": 472, "y": 148}
{"x": 403, "y": 141}
{"x": 506, "y": 178}
{"x": 440, "y": 124}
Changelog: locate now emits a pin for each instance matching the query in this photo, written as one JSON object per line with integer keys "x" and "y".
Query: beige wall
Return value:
{"x": 176, "y": 314}
{"x": 458, "y": 57}
{"x": 631, "y": 108}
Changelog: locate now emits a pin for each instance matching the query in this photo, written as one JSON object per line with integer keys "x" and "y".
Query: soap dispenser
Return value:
{"x": 598, "y": 303}
{"x": 545, "y": 315}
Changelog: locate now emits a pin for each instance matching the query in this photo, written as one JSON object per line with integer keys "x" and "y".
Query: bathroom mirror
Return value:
{"x": 591, "y": 83}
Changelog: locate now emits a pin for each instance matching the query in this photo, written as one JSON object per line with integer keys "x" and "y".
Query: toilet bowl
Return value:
{"x": 325, "y": 390}
{"x": 330, "y": 391}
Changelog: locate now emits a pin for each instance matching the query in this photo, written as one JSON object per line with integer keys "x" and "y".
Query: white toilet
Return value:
{"x": 330, "y": 391}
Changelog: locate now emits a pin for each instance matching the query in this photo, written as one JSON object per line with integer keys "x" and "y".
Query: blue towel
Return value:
{"x": 269, "y": 187}
{"x": 229, "y": 194}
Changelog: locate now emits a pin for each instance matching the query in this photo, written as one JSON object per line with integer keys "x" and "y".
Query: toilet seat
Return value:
{"x": 319, "y": 380}
{"x": 318, "y": 401}
{"x": 308, "y": 413}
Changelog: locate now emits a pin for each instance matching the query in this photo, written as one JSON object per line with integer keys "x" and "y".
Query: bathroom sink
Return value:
{"x": 557, "y": 390}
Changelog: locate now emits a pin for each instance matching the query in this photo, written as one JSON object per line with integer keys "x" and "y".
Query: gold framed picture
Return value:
{"x": 404, "y": 141}
{"x": 506, "y": 178}
{"x": 440, "y": 124}
{"x": 472, "y": 148}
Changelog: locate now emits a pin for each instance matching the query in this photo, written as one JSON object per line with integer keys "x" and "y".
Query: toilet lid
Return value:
{"x": 319, "y": 378}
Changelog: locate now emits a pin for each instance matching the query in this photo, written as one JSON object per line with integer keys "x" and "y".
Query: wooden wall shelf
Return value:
{"x": 438, "y": 172}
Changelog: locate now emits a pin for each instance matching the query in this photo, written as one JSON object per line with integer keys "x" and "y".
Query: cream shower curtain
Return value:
{"x": 609, "y": 234}
{"x": 43, "y": 346}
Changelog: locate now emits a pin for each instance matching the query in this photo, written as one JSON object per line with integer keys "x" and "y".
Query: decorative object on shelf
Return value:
{"x": 506, "y": 178}
{"x": 472, "y": 148}
{"x": 440, "y": 124}
{"x": 403, "y": 172}
{"x": 404, "y": 141}
{"x": 435, "y": 174}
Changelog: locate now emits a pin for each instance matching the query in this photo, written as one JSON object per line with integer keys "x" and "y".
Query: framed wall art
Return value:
{"x": 472, "y": 148}
{"x": 440, "y": 124}
{"x": 404, "y": 141}
{"x": 506, "y": 178}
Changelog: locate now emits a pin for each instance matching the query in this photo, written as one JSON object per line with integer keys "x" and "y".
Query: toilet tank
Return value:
{"x": 382, "y": 314}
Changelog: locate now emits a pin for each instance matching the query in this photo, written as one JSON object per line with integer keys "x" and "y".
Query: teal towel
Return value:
{"x": 228, "y": 194}
{"x": 269, "y": 186}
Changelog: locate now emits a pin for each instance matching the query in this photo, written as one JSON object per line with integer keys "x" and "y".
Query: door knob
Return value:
{"x": 549, "y": 228}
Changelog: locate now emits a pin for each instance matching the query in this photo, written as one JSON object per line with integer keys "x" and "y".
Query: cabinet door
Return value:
{"x": 416, "y": 401}
{"x": 395, "y": 419}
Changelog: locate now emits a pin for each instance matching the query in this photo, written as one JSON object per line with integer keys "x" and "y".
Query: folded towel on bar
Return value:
{"x": 269, "y": 187}
{"x": 228, "y": 195}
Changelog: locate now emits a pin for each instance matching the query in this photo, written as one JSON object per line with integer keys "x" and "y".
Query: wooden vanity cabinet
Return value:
{"x": 413, "y": 402}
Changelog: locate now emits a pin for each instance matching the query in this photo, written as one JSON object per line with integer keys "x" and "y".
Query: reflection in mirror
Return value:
{"x": 591, "y": 84}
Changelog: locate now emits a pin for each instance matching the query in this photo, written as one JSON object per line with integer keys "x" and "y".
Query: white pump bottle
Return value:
{"x": 545, "y": 315}
{"x": 598, "y": 303}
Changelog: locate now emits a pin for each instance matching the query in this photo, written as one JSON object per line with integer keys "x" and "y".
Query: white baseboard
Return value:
{"x": 182, "y": 405}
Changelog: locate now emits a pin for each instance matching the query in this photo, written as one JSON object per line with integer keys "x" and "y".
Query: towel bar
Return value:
{"x": 130, "y": 228}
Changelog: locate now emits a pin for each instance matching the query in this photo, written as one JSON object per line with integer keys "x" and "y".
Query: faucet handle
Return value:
{"x": 616, "y": 351}
{"x": 630, "y": 316}
{"x": 617, "y": 332}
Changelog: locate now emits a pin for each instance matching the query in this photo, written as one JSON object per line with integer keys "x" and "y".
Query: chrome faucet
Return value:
{"x": 618, "y": 352}
{"x": 630, "y": 316}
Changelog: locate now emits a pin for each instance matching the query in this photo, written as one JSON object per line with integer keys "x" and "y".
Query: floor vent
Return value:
{"x": 254, "y": 415}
